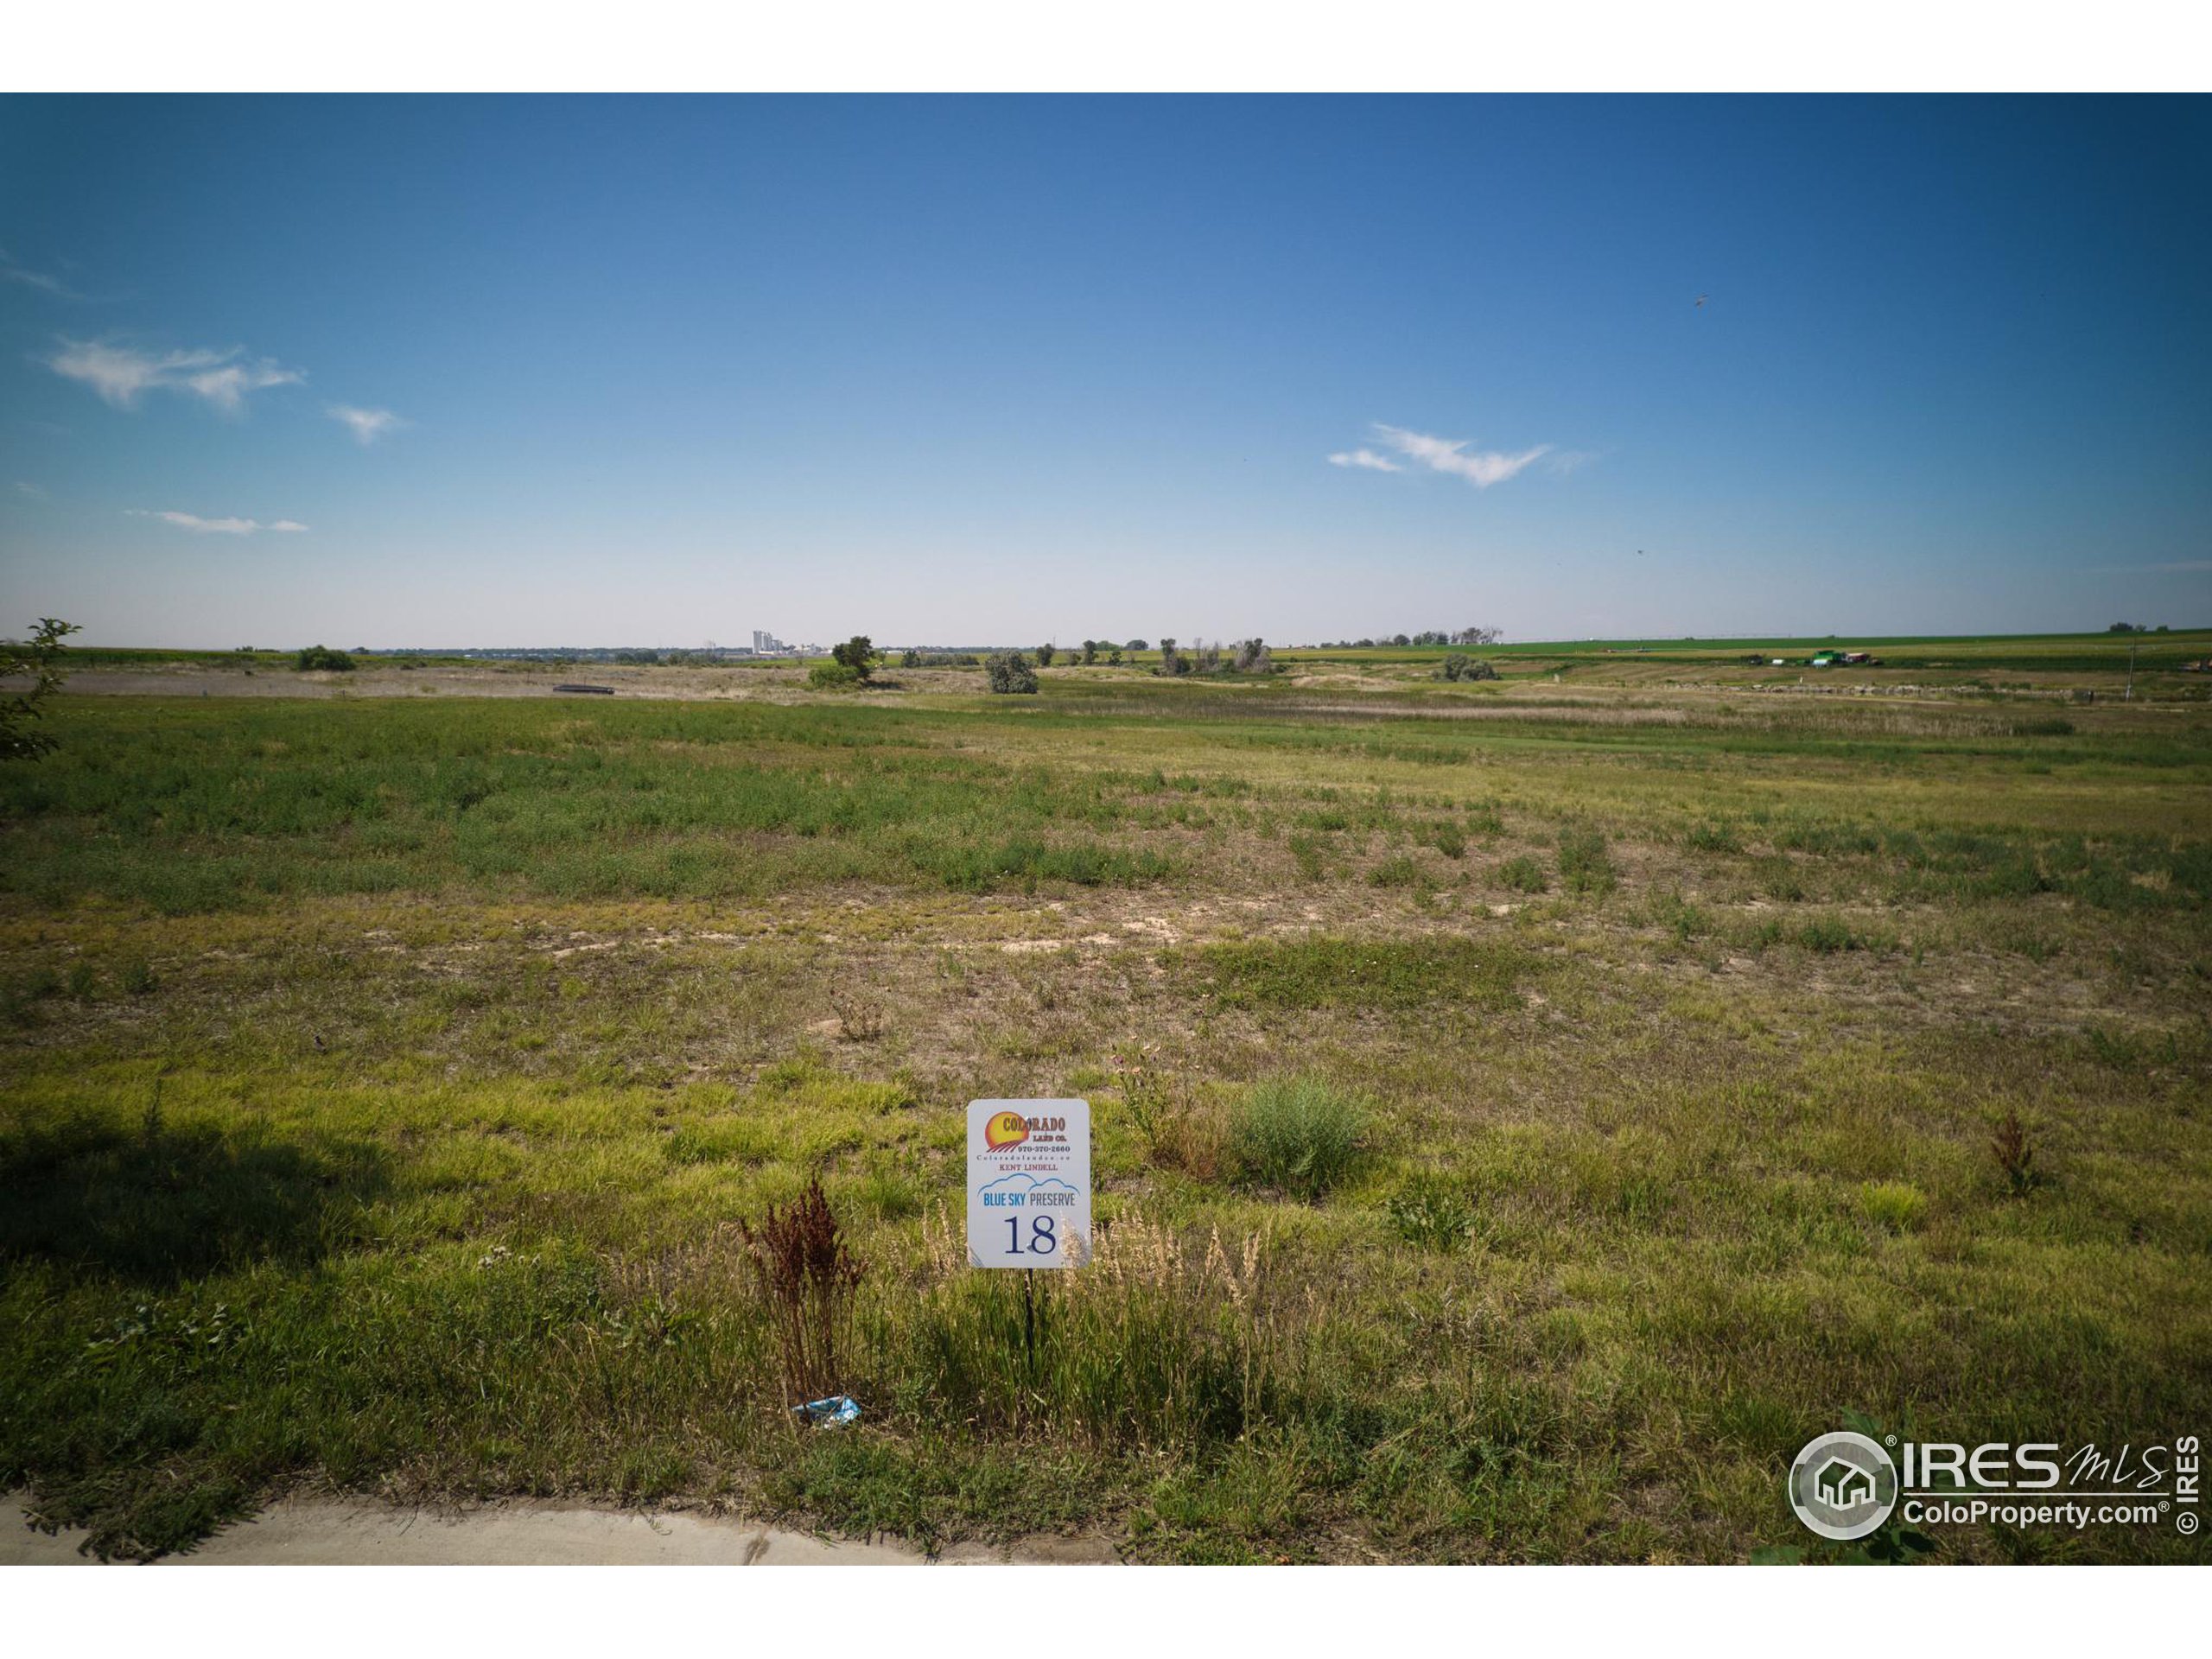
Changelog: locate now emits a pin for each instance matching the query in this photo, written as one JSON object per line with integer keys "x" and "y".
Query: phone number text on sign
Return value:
{"x": 1028, "y": 1183}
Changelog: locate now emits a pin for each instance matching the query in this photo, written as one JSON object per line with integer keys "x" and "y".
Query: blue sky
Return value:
{"x": 660, "y": 370}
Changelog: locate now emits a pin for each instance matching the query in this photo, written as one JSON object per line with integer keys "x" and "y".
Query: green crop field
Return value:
{"x": 1527, "y": 1111}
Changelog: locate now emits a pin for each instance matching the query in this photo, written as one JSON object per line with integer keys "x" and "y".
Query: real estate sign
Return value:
{"x": 1028, "y": 1183}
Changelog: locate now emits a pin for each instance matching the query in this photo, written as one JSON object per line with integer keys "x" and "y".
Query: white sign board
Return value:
{"x": 1028, "y": 1183}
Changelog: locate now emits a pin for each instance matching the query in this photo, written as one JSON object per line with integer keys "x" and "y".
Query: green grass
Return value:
{"x": 1297, "y": 975}
{"x": 381, "y": 1081}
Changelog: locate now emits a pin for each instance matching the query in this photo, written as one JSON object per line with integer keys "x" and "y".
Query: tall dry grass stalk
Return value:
{"x": 1160, "y": 1340}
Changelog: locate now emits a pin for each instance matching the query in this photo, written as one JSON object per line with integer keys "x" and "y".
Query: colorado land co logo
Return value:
{"x": 1843, "y": 1486}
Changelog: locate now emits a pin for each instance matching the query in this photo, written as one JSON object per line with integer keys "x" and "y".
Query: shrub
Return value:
{"x": 1045, "y": 655}
{"x": 40, "y": 659}
{"x": 1171, "y": 661}
{"x": 1301, "y": 1135}
{"x": 1522, "y": 875}
{"x": 857, "y": 653}
{"x": 910, "y": 657}
{"x": 1010, "y": 674}
{"x": 833, "y": 676}
{"x": 1583, "y": 864}
{"x": 1826, "y": 934}
{"x": 1252, "y": 657}
{"x": 322, "y": 658}
{"x": 1458, "y": 666}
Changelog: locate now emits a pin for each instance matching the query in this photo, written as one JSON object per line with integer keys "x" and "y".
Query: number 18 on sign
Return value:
{"x": 1028, "y": 1183}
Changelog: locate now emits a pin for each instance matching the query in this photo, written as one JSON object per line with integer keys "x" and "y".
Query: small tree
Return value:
{"x": 39, "y": 656}
{"x": 1045, "y": 655}
{"x": 857, "y": 653}
{"x": 1090, "y": 653}
{"x": 1010, "y": 674}
{"x": 1252, "y": 657}
{"x": 1209, "y": 658}
{"x": 1171, "y": 660}
{"x": 1138, "y": 645}
{"x": 1114, "y": 657}
{"x": 323, "y": 657}
{"x": 910, "y": 657}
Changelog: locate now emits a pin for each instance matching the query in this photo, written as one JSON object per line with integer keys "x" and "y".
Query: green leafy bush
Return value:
{"x": 1583, "y": 864}
{"x": 1011, "y": 674}
{"x": 833, "y": 676}
{"x": 1522, "y": 875}
{"x": 315, "y": 657}
{"x": 1458, "y": 666}
{"x": 1300, "y": 1135}
{"x": 1447, "y": 840}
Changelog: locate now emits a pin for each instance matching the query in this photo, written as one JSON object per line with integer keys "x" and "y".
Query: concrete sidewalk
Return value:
{"x": 316, "y": 1532}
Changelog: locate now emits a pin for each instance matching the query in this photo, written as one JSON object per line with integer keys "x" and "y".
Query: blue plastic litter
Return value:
{"x": 829, "y": 1412}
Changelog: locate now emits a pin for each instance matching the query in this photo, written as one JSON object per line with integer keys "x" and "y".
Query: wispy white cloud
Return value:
{"x": 44, "y": 282}
{"x": 1480, "y": 468}
{"x": 367, "y": 424}
{"x": 31, "y": 490}
{"x": 194, "y": 521}
{"x": 122, "y": 374}
{"x": 1366, "y": 458}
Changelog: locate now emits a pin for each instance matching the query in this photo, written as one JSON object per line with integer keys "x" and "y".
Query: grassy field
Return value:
{"x": 1526, "y": 1112}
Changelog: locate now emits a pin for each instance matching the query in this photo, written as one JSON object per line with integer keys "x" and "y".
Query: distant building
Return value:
{"x": 766, "y": 644}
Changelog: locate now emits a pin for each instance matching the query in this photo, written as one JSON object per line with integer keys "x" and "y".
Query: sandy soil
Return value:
{"x": 312, "y": 1532}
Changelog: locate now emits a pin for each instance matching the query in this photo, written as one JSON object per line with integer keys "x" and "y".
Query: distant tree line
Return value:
{"x": 1245, "y": 657}
{"x": 1431, "y": 636}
